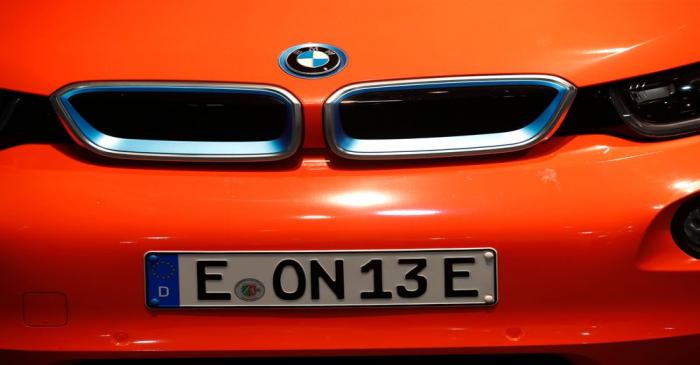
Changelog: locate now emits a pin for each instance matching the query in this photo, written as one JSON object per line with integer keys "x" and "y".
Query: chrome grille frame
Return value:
{"x": 147, "y": 149}
{"x": 466, "y": 145}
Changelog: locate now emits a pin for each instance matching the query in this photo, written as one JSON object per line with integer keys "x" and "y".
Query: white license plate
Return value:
{"x": 321, "y": 278}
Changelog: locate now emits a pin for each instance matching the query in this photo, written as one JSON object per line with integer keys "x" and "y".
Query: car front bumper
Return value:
{"x": 587, "y": 268}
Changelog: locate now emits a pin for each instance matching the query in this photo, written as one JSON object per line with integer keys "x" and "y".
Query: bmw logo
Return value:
{"x": 312, "y": 60}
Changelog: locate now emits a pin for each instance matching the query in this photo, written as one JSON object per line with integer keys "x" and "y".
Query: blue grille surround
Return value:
{"x": 146, "y": 149}
{"x": 463, "y": 145}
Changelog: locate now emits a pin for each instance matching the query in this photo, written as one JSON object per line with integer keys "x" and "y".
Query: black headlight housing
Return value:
{"x": 665, "y": 104}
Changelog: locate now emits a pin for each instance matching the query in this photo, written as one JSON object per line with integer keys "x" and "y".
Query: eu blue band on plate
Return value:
{"x": 162, "y": 283}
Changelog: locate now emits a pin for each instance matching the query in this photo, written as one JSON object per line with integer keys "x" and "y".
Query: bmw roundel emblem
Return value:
{"x": 312, "y": 60}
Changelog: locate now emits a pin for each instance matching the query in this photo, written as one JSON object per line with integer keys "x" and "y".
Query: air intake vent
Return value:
{"x": 177, "y": 121}
{"x": 444, "y": 117}
{"x": 27, "y": 118}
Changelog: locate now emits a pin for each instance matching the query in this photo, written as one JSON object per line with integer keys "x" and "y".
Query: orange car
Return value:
{"x": 452, "y": 182}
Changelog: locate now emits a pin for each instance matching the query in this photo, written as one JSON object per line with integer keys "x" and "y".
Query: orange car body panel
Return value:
{"x": 587, "y": 267}
{"x": 585, "y": 42}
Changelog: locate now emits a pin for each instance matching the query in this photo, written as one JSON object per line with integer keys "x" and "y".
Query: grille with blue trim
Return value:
{"x": 182, "y": 121}
{"x": 445, "y": 117}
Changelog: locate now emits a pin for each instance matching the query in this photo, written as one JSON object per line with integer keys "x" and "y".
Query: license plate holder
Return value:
{"x": 431, "y": 277}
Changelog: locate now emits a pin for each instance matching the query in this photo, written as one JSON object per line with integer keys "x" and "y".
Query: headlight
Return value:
{"x": 661, "y": 105}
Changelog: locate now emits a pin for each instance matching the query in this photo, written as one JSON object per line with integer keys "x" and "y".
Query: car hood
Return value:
{"x": 51, "y": 44}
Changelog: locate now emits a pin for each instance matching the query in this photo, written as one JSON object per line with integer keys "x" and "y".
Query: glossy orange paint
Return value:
{"x": 587, "y": 267}
{"x": 52, "y": 44}
{"x": 573, "y": 221}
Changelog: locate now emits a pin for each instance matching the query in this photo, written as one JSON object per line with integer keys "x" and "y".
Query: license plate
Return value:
{"x": 321, "y": 278}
